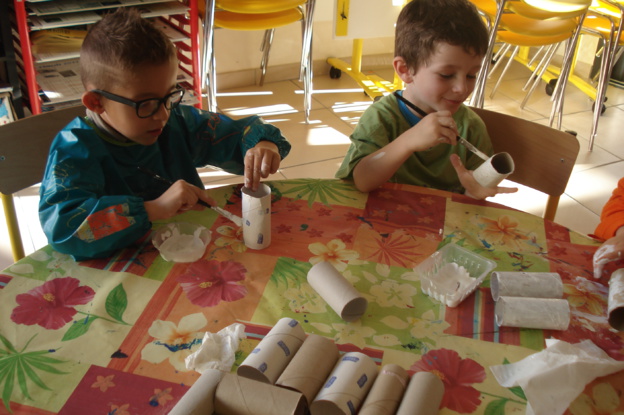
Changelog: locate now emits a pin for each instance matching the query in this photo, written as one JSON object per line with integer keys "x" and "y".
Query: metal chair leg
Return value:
{"x": 267, "y": 41}
{"x": 543, "y": 65}
{"x": 208, "y": 67}
{"x": 505, "y": 69}
{"x": 559, "y": 92}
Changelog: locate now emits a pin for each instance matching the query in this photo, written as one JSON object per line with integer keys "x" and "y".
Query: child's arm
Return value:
{"x": 85, "y": 207}
{"x": 246, "y": 146}
{"x": 474, "y": 189}
{"x": 377, "y": 168}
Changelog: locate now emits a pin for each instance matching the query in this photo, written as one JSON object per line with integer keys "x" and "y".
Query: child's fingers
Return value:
{"x": 501, "y": 189}
{"x": 458, "y": 165}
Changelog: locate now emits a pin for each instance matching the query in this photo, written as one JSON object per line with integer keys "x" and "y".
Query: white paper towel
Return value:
{"x": 553, "y": 378}
{"x": 217, "y": 350}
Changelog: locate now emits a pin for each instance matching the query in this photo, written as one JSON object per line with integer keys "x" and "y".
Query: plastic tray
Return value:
{"x": 448, "y": 291}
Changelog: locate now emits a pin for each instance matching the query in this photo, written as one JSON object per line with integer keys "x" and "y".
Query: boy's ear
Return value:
{"x": 402, "y": 69}
{"x": 92, "y": 101}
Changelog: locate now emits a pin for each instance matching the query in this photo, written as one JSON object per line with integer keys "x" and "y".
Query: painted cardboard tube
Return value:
{"x": 341, "y": 296}
{"x": 387, "y": 391}
{"x": 615, "y": 305}
{"x": 199, "y": 399}
{"x": 271, "y": 356}
{"x": 526, "y": 284}
{"x": 423, "y": 395}
{"x": 257, "y": 217}
{"x": 312, "y": 364}
{"x": 237, "y": 395}
{"x": 494, "y": 170}
{"x": 533, "y": 313}
{"x": 347, "y": 386}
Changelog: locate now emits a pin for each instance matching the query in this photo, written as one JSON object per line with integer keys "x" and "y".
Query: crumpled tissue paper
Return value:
{"x": 553, "y": 378}
{"x": 217, "y": 350}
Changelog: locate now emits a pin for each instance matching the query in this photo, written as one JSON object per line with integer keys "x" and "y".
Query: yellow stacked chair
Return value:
{"x": 264, "y": 15}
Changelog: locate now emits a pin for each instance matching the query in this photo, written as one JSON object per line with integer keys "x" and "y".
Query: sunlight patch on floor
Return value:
{"x": 326, "y": 136}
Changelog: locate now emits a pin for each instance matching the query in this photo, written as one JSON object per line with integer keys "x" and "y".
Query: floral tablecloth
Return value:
{"x": 110, "y": 336}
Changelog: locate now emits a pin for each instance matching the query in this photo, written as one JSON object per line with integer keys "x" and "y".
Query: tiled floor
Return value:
{"x": 318, "y": 147}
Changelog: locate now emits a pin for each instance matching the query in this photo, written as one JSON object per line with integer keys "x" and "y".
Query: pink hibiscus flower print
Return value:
{"x": 458, "y": 375}
{"x": 207, "y": 283}
{"x": 51, "y": 305}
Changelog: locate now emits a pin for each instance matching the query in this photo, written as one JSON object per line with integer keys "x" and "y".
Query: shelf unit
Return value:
{"x": 52, "y": 81}
{"x": 8, "y": 61}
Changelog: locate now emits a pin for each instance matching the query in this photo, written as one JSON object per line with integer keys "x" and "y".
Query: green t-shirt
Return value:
{"x": 383, "y": 122}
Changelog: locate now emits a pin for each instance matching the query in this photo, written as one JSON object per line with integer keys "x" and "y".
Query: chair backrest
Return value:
{"x": 543, "y": 156}
{"x": 24, "y": 146}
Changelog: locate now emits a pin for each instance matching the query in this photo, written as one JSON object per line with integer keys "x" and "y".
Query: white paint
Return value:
{"x": 378, "y": 156}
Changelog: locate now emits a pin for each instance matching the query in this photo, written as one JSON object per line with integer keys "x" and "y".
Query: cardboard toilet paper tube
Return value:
{"x": 533, "y": 313}
{"x": 337, "y": 291}
{"x": 494, "y": 170}
{"x": 615, "y": 307}
{"x": 387, "y": 391}
{"x": 526, "y": 284}
{"x": 423, "y": 395}
{"x": 199, "y": 399}
{"x": 236, "y": 395}
{"x": 257, "y": 217}
{"x": 271, "y": 356}
{"x": 312, "y": 364}
{"x": 346, "y": 387}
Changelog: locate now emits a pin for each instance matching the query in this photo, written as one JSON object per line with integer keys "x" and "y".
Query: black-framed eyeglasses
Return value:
{"x": 145, "y": 108}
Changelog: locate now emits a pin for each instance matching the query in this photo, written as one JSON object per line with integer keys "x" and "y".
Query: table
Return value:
{"x": 110, "y": 336}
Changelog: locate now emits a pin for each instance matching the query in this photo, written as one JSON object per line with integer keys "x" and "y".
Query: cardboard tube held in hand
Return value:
{"x": 271, "y": 356}
{"x": 337, "y": 291}
{"x": 347, "y": 386}
{"x": 257, "y": 217}
{"x": 494, "y": 170}
{"x": 526, "y": 284}
{"x": 312, "y": 364}
{"x": 199, "y": 399}
{"x": 387, "y": 391}
{"x": 615, "y": 308}
{"x": 533, "y": 313}
{"x": 240, "y": 396}
{"x": 423, "y": 395}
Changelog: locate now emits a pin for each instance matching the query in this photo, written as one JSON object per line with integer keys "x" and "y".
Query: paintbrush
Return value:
{"x": 236, "y": 219}
{"x": 460, "y": 139}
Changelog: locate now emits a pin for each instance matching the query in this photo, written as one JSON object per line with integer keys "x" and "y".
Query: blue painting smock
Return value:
{"x": 92, "y": 192}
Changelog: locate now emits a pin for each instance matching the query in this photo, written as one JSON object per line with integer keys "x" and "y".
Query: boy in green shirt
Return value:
{"x": 411, "y": 136}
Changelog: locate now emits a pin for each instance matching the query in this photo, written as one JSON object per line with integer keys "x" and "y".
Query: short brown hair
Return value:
{"x": 121, "y": 41}
{"x": 423, "y": 24}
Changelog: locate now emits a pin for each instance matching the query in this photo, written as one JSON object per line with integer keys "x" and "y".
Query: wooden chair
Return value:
{"x": 543, "y": 156}
{"x": 24, "y": 146}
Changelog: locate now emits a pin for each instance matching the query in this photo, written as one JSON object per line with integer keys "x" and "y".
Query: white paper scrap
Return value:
{"x": 553, "y": 378}
{"x": 217, "y": 350}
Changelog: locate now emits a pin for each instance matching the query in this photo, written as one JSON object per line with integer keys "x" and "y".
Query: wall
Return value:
{"x": 240, "y": 50}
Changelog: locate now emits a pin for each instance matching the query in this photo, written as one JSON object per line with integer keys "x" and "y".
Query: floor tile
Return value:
{"x": 325, "y": 137}
{"x": 593, "y": 187}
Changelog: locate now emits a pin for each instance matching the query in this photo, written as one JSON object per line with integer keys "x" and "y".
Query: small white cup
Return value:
{"x": 494, "y": 170}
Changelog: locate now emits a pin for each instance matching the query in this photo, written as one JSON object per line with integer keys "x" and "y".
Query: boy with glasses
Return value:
{"x": 411, "y": 136}
{"x": 109, "y": 174}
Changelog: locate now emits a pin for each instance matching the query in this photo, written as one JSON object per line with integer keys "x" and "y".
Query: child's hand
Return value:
{"x": 473, "y": 188}
{"x": 611, "y": 250}
{"x": 260, "y": 161}
{"x": 180, "y": 197}
{"x": 437, "y": 127}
